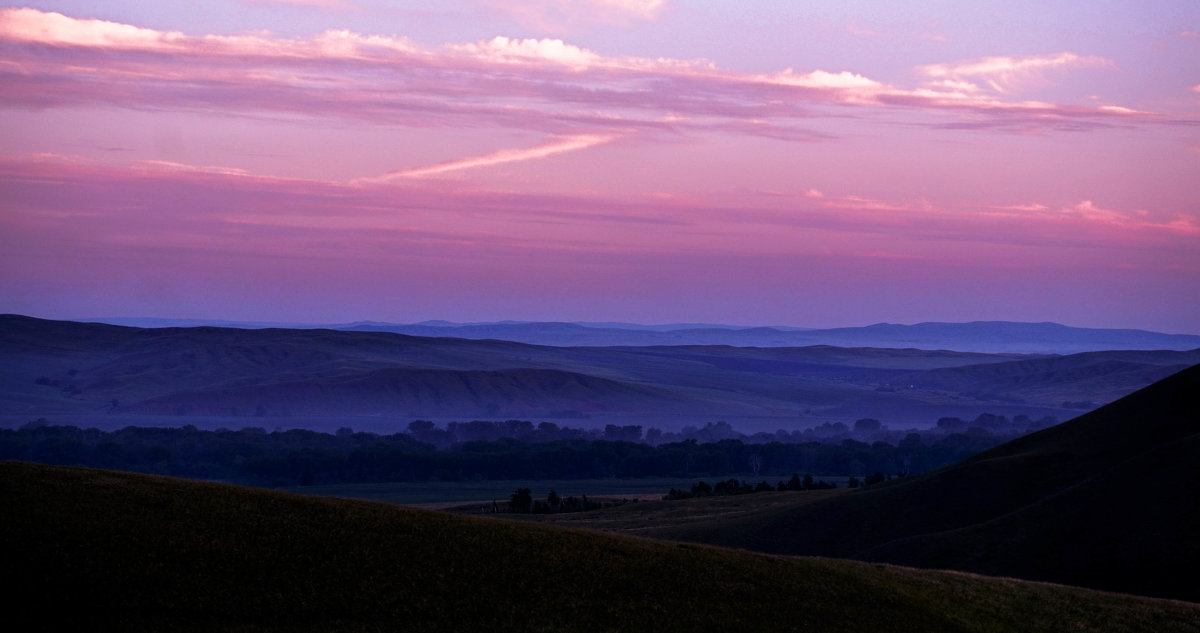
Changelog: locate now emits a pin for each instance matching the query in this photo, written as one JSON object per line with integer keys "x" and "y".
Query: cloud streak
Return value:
{"x": 546, "y": 85}
{"x": 210, "y": 203}
{"x": 1003, "y": 73}
{"x": 213, "y": 239}
{"x": 558, "y": 146}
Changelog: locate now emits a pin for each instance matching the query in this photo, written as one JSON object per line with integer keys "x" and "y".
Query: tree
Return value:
{"x": 521, "y": 500}
{"x": 867, "y": 426}
{"x": 420, "y": 429}
{"x": 553, "y": 500}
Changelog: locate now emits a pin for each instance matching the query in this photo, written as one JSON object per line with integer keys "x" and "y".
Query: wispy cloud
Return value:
{"x": 100, "y": 233}
{"x": 560, "y": 15}
{"x": 558, "y": 146}
{"x": 545, "y": 85}
{"x": 319, "y": 4}
{"x": 860, "y": 31}
{"x": 1003, "y": 73}
{"x": 219, "y": 208}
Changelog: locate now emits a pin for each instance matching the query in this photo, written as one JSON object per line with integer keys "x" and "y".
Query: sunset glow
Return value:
{"x": 810, "y": 164}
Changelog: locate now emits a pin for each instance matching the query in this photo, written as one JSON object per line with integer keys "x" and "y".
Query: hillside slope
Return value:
{"x": 1109, "y": 500}
{"x": 110, "y": 550}
{"x": 424, "y": 393}
{"x": 109, "y": 375}
{"x": 1091, "y": 376}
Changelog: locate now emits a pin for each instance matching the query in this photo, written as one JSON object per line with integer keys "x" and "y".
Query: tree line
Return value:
{"x": 865, "y": 429}
{"x": 255, "y": 456}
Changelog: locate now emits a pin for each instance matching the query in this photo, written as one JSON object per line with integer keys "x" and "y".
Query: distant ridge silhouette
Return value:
{"x": 975, "y": 336}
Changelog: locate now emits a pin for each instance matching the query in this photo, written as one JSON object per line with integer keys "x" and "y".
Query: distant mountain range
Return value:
{"x": 977, "y": 336}
{"x": 112, "y": 376}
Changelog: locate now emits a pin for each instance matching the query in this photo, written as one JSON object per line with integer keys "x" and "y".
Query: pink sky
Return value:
{"x": 810, "y": 164}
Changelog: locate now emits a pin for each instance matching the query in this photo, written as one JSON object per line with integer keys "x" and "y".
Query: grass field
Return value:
{"x": 436, "y": 494}
{"x": 665, "y": 519}
{"x": 104, "y": 550}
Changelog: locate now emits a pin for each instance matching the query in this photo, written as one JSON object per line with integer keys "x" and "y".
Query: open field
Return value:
{"x": 664, "y": 519}
{"x": 143, "y": 553}
{"x": 440, "y": 493}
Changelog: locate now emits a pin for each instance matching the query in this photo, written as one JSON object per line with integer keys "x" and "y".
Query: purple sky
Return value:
{"x": 819, "y": 163}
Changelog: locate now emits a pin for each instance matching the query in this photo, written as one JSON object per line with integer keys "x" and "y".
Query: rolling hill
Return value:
{"x": 112, "y": 376}
{"x": 424, "y": 393}
{"x": 116, "y": 551}
{"x": 1109, "y": 500}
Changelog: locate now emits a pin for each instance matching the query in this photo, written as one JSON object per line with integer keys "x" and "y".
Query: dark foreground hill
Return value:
{"x": 115, "y": 551}
{"x": 1109, "y": 500}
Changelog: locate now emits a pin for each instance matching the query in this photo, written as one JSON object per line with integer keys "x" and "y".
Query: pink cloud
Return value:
{"x": 1004, "y": 73}
{"x": 213, "y": 207}
{"x": 207, "y": 239}
{"x": 319, "y": 4}
{"x": 563, "y": 15}
{"x": 558, "y": 146}
{"x": 33, "y": 26}
{"x": 859, "y": 31}
{"x": 505, "y": 51}
{"x": 546, "y": 85}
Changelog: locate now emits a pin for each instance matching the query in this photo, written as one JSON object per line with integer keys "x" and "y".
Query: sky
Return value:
{"x": 812, "y": 163}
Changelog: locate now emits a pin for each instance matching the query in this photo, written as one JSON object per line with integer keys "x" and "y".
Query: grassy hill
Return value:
{"x": 109, "y": 550}
{"x": 1110, "y": 500}
{"x": 110, "y": 375}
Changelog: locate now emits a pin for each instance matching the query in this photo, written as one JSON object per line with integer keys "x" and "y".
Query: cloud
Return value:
{"x": 559, "y": 146}
{"x": 1005, "y": 73}
{"x": 544, "y": 85}
{"x": 566, "y": 15}
{"x": 81, "y": 230}
{"x": 203, "y": 169}
{"x": 319, "y": 4}
{"x": 507, "y": 51}
{"x": 31, "y": 25}
{"x": 858, "y": 31}
{"x": 644, "y": 9}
